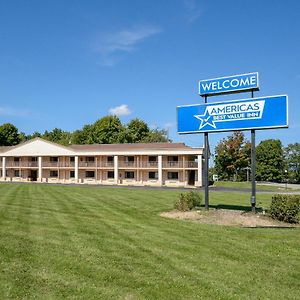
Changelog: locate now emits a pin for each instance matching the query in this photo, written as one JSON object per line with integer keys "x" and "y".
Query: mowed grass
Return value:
{"x": 100, "y": 243}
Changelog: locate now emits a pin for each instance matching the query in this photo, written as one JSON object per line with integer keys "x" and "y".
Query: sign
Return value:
{"x": 229, "y": 84}
{"x": 253, "y": 113}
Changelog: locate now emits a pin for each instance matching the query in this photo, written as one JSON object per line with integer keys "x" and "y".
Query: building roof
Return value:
{"x": 38, "y": 146}
{"x": 130, "y": 147}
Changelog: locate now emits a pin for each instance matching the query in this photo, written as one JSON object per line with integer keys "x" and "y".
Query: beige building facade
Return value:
{"x": 155, "y": 164}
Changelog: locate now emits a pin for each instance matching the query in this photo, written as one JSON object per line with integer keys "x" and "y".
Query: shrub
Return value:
{"x": 285, "y": 208}
{"x": 188, "y": 201}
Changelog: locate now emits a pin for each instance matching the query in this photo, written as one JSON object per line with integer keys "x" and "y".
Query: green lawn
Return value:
{"x": 85, "y": 242}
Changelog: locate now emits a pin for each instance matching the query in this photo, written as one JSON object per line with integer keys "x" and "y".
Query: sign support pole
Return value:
{"x": 253, "y": 167}
{"x": 206, "y": 167}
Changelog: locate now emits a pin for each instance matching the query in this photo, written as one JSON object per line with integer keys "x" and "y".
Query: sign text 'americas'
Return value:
{"x": 230, "y": 112}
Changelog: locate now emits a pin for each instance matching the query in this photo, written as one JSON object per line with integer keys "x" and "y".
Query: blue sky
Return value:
{"x": 66, "y": 63}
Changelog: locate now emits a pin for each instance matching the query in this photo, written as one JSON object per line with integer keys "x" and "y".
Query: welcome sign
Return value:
{"x": 253, "y": 113}
{"x": 229, "y": 84}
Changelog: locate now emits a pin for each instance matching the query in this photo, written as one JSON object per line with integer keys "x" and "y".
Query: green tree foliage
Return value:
{"x": 107, "y": 130}
{"x": 9, "y": 135}
{"x": 232, "y": 157}
{"x": 137, "y": 131}
{"x": 58, "y": 136}
{"x": 157, "y": 136}
{"x": 269, "y": 158}
{"x": 292, "y": 161}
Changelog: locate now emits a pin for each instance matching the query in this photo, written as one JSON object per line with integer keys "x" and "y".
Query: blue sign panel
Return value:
{"x": 253, "y": 113}
{"x": 230, "y": 84}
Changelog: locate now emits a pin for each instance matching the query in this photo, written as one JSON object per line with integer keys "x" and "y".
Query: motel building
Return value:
{"x": 155, "y": 164}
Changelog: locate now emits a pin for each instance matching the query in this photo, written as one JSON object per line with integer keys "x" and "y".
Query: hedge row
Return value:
{"x": 285, "y": 208}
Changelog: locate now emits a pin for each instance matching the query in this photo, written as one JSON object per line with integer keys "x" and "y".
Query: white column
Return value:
{"x": 3, "y": 168}
{"x": 40, "y": 177}
{"x": 160, "y": 179}
{"x": 116, "y": 168}
{"x": 76, "y": 169}
{"x": 199, "y": 183}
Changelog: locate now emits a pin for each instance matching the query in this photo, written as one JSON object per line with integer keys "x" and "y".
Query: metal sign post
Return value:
{"x": 206, "y": 167}
{"x": 253, "y": 167}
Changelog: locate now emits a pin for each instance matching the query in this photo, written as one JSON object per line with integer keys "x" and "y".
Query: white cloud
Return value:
{"x": 121, "y": 110}
{"x": 8, "y": 111}
{"x": 193, "y": 10}
{"x": 110, "y": 46}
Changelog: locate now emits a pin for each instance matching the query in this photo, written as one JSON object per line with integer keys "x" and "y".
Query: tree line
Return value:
{"x": 107, "y": 130}
{"x": 274, "y": 162}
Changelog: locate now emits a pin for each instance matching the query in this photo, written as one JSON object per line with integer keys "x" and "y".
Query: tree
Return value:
{"x": 58, "y": 136}
{"x": 232, "y": 156}
{"x": 292, "y": 161}
{"x": 157, "y": 136}
{"x": 137, "y": 131}
{"x": 9, "y": 135}
{"x": 269, "y": 161}
{"x": 107, "y": 130}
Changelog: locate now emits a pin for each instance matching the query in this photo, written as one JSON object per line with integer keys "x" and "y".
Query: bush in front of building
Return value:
{"x": 188, "y": 201}
{"x": 285, "y": 208}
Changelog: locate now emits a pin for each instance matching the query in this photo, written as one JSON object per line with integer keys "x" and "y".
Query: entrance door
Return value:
{"x": 33, "y": 175}
{"x": 191, "y": 177}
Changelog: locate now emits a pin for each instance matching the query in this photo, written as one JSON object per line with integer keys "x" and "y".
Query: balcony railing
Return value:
{"x": 127, "y": 164}
{"x": 103, "y": 164}
{"x": 21, "y": 164}
{"x": 149, "y": 164}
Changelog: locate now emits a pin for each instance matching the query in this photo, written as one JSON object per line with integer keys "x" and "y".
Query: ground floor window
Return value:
{"x": 72, "y": 174}
{"x": 110, "y": 174}
{"x": 173, "y": 175}
{"x": 129, "y": 175}
{"x": 17, "y": 173}
{"x": 54, "y": 173}
{"x": 89, "y": 174}
{"x": 153, "y": 175}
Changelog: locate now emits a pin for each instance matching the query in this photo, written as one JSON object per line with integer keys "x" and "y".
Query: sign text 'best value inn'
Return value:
{"x": 229, "y": 84}
{"x": 252, "y": 113}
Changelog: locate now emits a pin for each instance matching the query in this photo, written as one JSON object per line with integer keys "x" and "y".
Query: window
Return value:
{"x": 172, "y": 175}
{"x": 16, "y": 159}
{"x": 130, "y": 158}
{"x": 17, "y": 173}
{"x": 129, "y": 175}
{"x": 152, "y": 159}
{"x": 53, "y": 173}
{"x": 89, "y": 174}
{"x": 110, "y": 159}
{"x": 153, "y": 175}
{"x": 110, "y": 174}
{"x": 53, "y": 159}
{"x": 90, "y": 158}
{"x": 72, "y": 174}
{"x": 173, "y": 158}
{"x": 72, "y": 159}
{"x": 33, "y": 158}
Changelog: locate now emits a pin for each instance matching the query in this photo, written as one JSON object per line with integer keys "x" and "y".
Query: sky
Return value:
{"x": 67, "y": 63}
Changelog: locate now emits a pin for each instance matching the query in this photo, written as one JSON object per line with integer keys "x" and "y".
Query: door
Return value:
{"x": 191, "y": 177}
{"x": 33, "y": 175}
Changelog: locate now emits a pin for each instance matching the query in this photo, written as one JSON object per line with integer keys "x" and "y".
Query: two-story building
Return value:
{"x": 155, "y": 164}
